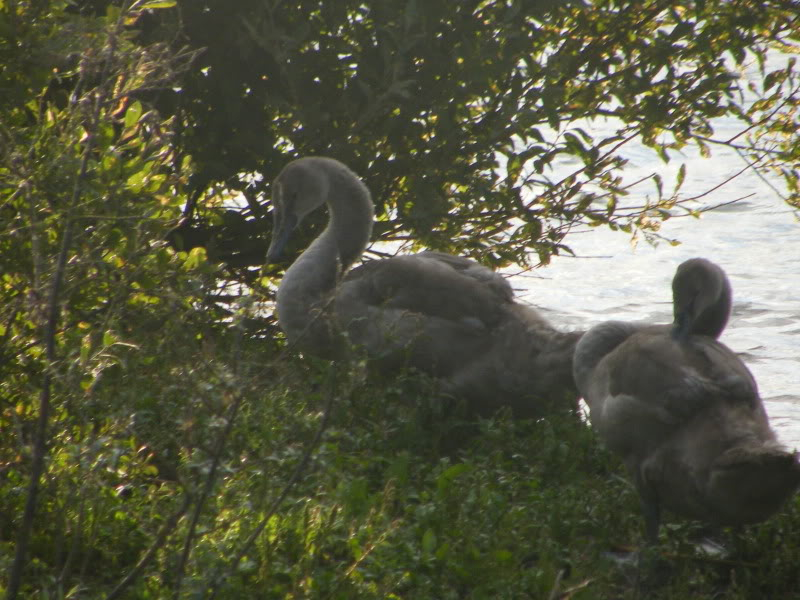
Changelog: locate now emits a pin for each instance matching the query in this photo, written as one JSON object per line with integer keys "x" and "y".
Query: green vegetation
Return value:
{"x": 397, "y": 501}
{"x": 159, "y": 438}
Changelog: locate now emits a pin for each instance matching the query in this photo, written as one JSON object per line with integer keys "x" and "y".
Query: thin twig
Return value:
{"x": 369, "y": 549}
{"x": 40, "y": 440}
{"x": 209, "y": 484}
{"x": 556, "y": 584}
{"x": 161, "y": 538}
{"x": 550, "y": 193}
{"x": 40, "y": 445}
{"x": 295, "y": 476}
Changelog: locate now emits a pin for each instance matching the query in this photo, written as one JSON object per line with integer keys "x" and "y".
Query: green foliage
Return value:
{"x": 180, "y": 446}
{"x": 473, "y": 123}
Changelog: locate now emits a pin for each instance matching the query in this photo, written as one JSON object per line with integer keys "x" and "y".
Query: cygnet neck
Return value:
{"x": 702, "y": 299}
{"x": 310, "y": 280}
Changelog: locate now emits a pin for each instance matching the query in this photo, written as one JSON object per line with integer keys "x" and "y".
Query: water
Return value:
{"x": 756, "y": 241}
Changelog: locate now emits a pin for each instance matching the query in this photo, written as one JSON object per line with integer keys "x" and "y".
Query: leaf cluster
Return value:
{"x": 473, "y": 124}
{"x": 165, "y": 441}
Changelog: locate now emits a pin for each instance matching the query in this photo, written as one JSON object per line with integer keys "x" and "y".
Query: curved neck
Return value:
{"x": 351, "y": 215}
{"x": 702, "y": 299}
{"x": 711, "y": 321}
{"x": 310, "y": 280}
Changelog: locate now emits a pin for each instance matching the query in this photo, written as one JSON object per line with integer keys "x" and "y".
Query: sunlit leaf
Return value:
{"x": 429, "y": 541}
{"x": 155, "y": 4}
{"x": 132, "y": 114}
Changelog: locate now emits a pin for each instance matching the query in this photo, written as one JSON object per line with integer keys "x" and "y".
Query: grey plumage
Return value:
{"x": 445, "y": 315}
{"x": 684, "y": 411}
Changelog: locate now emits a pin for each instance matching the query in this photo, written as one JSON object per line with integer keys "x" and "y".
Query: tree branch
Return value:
{"x": 40, "y": 445}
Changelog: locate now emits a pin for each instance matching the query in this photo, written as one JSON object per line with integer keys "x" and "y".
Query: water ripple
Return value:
{"x": 756, "y": 241}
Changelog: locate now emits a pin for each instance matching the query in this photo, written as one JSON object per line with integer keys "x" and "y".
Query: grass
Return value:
{"x": 401, "y": 499}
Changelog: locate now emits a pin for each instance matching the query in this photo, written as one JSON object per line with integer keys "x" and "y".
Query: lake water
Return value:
{"x": 756, "y": 241}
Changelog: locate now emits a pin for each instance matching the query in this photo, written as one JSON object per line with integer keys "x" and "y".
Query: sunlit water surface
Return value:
{"x": 756, "y": 241}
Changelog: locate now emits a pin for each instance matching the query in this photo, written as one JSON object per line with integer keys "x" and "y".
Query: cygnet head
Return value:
{"x": 301, "y": 187}
{"x": 701, "y": 296}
